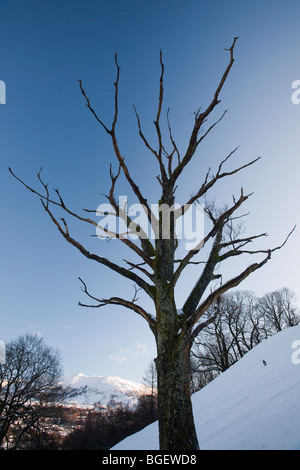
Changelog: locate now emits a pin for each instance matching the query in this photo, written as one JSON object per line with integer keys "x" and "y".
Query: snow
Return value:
{"x": 99, "y": 388}
{"x": 2, "y": 352}
{"x": 251, "y": 406}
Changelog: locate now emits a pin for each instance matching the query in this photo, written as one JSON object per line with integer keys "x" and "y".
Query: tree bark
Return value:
{"x": 176, "y": 421}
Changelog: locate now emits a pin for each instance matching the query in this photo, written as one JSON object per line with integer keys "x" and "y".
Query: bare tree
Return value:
{"x": 278, "y": 310}
{"x": 159, "y": 267}
{"x": 234, "y": 331}
{"x": 242, "y": 322}
{"x": 29, "y": 385}
{"x": 150, "y": 377}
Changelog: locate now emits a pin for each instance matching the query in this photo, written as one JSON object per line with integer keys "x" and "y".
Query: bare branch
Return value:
{"x": 143, "y": 136}
{"x": 119, "y": 301}
{"x": 211, "y": 127}
{"x": 285, "y": 241}
{"x": 234, "y": 282}
{"x": 123, "y": 237}
{"x": 138, "y": 266}
{"x": 208, "y": 184}
{"x": 206, "y": 277}
{"x": 161, "y": 88}
{"x": 147, "y": 248}
{"x": 88, "y": 104}
{"x": 236, "y": 251}
{"x": 243, "y": 240}
{"x": 116, "y": 94}
{"x": 203, "y": 325}
{"x": 158, "y": 155}
{"x": 112, "y": 133}
{"x": 201, "y": 117}
{"x": 156, "y": 122}
{"x": 48, "y": 201}
{"x": 217, "y": 224}
{"x": 172, "y": 140}
{"x": 106, "y": 262}
{"x": 222, "y": 289}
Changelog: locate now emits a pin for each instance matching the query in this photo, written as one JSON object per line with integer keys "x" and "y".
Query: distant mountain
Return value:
{"x": 95, "y": 389}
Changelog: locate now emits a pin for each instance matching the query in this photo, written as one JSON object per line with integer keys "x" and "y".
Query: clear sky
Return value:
{"x": 46, "y": 47}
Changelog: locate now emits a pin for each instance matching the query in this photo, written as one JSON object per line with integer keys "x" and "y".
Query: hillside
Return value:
{"x": 100, "y": 389}
{"x": 254, "y": 405}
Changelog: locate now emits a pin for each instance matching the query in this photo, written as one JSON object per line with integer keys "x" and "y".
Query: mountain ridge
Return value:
{"x": 103, "y": 390}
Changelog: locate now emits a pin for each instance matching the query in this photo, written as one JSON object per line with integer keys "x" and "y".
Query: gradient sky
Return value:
{"x": 46, "y": 46}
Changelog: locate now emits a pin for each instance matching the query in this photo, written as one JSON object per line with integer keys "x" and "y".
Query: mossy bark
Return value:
{"x": 176, "y": 421}
{"x": 175, "y": 414}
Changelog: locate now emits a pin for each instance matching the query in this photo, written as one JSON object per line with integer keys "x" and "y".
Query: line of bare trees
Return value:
{"x": 236, "y": 323}
{"x": 241, "y": 321}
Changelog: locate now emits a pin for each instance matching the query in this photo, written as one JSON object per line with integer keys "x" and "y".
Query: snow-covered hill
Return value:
{"x": 253, "y": 405}
{"x": 100, "y": 389}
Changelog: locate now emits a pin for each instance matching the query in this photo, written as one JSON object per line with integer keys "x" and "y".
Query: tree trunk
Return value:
{"x": 2, "y": 436}
{"x": 175, "y": 415}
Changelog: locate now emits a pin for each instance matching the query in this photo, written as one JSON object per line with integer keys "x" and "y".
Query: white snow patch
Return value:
{"x": 254, "y": 405}
{"x": 99, "y": 388}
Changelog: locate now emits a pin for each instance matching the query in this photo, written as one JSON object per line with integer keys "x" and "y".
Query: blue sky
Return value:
{"x": 46, "y": 47}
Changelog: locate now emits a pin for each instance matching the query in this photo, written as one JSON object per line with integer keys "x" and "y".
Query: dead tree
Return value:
{"x": 159, "y": 269}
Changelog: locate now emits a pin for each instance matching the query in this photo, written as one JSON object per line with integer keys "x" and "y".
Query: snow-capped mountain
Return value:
{"x": 95, "y": 389}
{"x": 254, "y": 405}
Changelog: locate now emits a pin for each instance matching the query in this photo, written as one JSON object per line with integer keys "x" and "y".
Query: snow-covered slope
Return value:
{"x": 253, "y": 405}
{"x": 97, "y": 388}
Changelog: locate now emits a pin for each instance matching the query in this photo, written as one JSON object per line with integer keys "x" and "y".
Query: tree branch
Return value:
{"x": 201, "y": 117}
{"x": 206, "y": 277}
{"x": 222, "y": 289}
{"x": 156, "y": 122}
{"x": 230, "y": 284}
{"x": 175, "y": 148}
{"x": 217, "y": 224}
{"x": 147, "y": 251}
{"x": 119, "y": 301}
{"x": 208, "y": 184}
{"x": 150, "y": 290}
{"x": 138, "y": 266}
{"x": 88, "y": 104}
{"x": 51, "y": 201}
{"x": 203, "y": 325}
{"x": 112, "y": 133}
{"x": 236, "y": 251}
